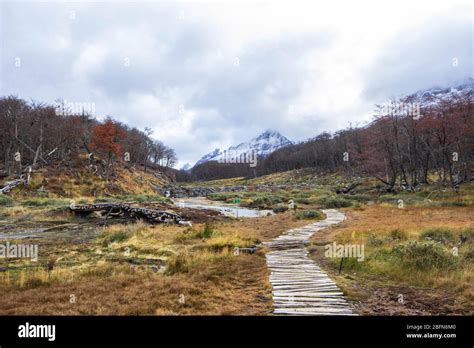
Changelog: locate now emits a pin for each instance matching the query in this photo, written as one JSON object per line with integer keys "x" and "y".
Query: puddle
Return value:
{"x": 226, "y": 209}
{"x": 37, "y": 230}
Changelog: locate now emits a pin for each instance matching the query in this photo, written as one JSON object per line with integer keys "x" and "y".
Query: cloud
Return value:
{"x": 207, "y": 75}
{"x": 421, "y": 57}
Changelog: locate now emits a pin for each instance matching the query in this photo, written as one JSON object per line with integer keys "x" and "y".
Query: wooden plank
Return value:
{"x": 299, "y": 286}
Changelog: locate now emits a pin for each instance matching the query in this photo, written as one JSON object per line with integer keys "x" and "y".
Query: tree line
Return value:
{"x": 36, "y": 134}
{"x": 434, "y": 145}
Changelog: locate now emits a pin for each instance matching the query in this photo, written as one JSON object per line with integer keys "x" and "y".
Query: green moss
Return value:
{"x": 5, "y": 201}
{"x": 309, "y": 214}
{"x": 334, "y": 202}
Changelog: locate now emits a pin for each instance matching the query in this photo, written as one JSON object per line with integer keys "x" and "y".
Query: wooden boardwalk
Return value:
{"x": 300, "y": 287}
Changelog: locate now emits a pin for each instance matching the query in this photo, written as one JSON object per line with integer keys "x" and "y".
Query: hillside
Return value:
{"x": 408, "y": 140}
{"x": 54, "y": 182}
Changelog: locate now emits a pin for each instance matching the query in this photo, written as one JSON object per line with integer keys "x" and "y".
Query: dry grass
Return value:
{"x": 386, "y": 217}
{"x": 13, "y": 211}
{"x": 82, "y": 183}
{"x": 380, "y": 228}
{"x": 144, "y": 269}
{"x": 234, "y": 286}
{"x": 211, "y": 276}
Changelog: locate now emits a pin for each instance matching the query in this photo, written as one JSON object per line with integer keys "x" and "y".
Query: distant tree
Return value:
{"x": 170, "y": 156}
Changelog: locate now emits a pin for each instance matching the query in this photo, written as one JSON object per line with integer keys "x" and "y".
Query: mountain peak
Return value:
{"x": 186, "y": 167}
{"x": 434, "y": 95}
{"x": 263, "y": 144}
{"x": 270, "y": 133}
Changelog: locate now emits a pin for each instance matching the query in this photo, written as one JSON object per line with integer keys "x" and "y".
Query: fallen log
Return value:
{"x": 122, "y": 209}
{"x": 347, "y": 189}
{"x": 9, "y": 185}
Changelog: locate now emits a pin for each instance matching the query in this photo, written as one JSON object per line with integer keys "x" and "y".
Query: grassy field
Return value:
{"x": 418, "y": 246}
{"x": 417, "y": 260}
{"x": 418, "y": 250}
{"x": 146, "y": 269}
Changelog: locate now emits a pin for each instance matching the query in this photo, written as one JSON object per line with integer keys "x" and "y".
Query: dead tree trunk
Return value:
{"x": 121, "y": 209}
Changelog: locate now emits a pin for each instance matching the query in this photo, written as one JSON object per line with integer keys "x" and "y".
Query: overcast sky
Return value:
{"x": 207, "y": 75}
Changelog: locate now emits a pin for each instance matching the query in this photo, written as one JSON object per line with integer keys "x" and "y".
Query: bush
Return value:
{"x": 179, "y": 263}
{"x": 423, "y": 255}
{"x": 309, "y": 214}
{"x": 303, "y": 200}
{"x": 116, "y": 237}
{"x": 44, "y": 202}
{"x": 208, "y": 231}
{"x": 334, "y": 202}
{"x": 442, "y": 235}
{"x": 467, "y": 234}
{"x": 372, "y": 240}
{"x": 280, "y": 210}
{"x": 358, "y": 198}
{"x": 190, "y": 233}
{"x": 398, "y": 234}
{"x": 221, "y": 196}
{"x": 5, "y": 200}
{"x": 303, "y": 197}
{"x": 102, "y": 200}
{"x": 265, "y": 202}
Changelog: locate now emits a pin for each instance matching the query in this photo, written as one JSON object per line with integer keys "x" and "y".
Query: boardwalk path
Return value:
{"x": 299, "y": 286}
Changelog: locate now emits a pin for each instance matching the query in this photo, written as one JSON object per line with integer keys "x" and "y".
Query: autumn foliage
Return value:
{"x": 106, "y": 139}
{"x": 41, "y": 136}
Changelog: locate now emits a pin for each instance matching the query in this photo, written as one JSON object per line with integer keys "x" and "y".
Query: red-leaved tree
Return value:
{"x": 105, "y": 140}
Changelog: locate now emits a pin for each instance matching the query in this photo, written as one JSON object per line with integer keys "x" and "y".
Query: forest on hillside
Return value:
{"x": 397, "y": 149}
{"x": 35, "y": 135}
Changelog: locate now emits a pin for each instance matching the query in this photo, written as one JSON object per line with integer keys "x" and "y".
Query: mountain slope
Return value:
{"x": 263, "y": 145}
{"x": 436, "y": 95}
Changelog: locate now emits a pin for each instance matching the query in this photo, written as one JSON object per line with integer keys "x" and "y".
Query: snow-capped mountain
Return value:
{"x": 186, "y": 167}
{"x": 262, "y": 145}
{"x": 413, "y": 104}
{"x": 209, "y": 157}
{"x": 433, "y": 96}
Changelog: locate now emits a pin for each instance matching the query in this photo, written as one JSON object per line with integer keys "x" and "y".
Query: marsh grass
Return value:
{"x": 189, "y": 234}
{"x": 186, "y": 260}
{"x": 13, "y": 211}
{"x": 40, "y": 276}
{"x": 331, "y": 202}
{"x": 441, "y": 235}
{"x": 309, "y": 215}
{"x": 419, "y": 257}
{"x": 44, "y": 202}
{"x": 422, "y": 256}
{"x": 5, "y": 201}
